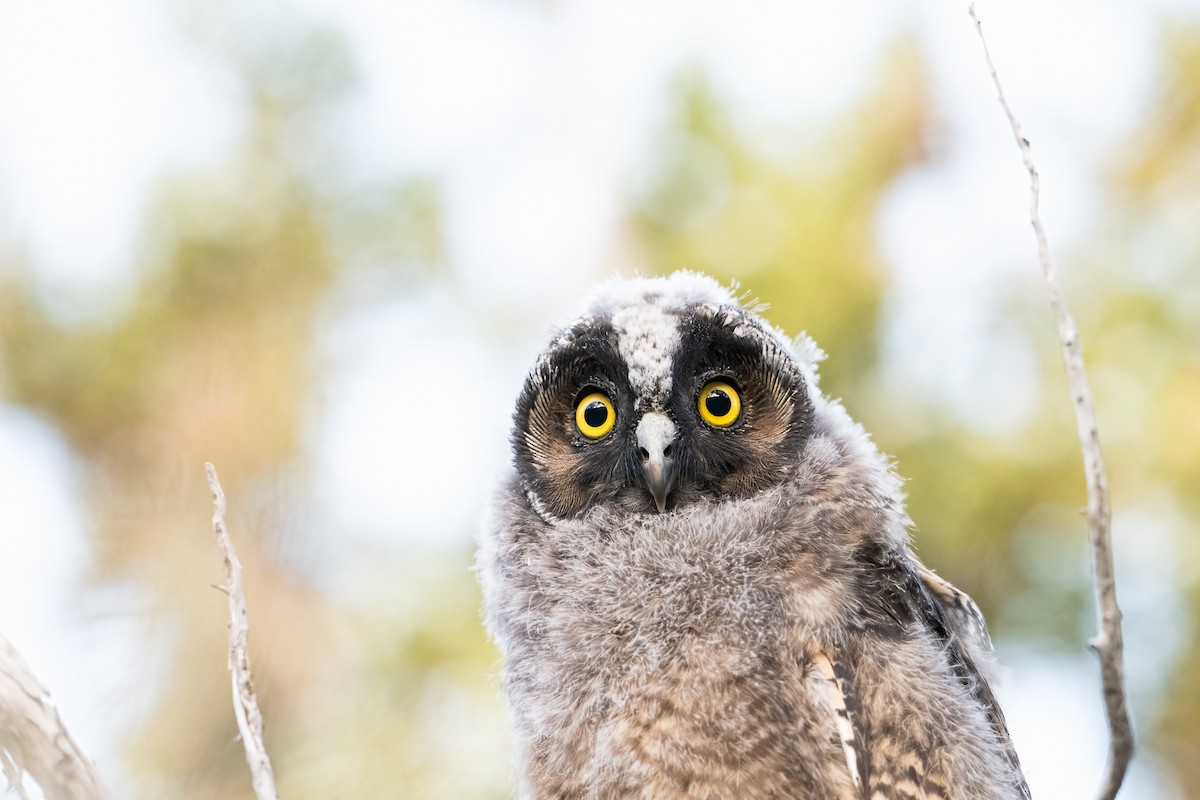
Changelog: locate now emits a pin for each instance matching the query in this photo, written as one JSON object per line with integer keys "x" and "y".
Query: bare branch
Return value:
{"x": 1107, "y": 643}
{"x": 245, "y": 704}
{"x": 33, "y": 738}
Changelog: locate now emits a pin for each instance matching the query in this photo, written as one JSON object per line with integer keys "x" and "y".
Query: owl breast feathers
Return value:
{"x": 700, "y": 577}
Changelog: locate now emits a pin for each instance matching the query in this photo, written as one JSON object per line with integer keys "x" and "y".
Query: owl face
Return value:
{"x": 663, "y": 393}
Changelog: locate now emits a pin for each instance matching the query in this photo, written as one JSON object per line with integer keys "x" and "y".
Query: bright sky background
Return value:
{"x": 541, "y": 120}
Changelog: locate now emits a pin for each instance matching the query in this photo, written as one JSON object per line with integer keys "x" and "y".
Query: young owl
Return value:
{"x": 699, "y": 574}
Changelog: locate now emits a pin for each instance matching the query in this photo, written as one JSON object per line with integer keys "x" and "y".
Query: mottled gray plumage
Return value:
{"x": 722, "y": 610}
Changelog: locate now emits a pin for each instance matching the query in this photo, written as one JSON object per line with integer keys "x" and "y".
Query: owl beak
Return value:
{"x": 655, "y": 432}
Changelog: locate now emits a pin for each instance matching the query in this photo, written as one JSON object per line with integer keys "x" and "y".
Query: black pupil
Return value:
{"x": 718, "y": 403}
{"x": 596, "y": 414}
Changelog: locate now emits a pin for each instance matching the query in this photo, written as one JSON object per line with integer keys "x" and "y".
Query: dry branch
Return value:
{"x": 33, "y": 738}
{"x": 245, "y": 704}
{"x": 1107, "y": 643}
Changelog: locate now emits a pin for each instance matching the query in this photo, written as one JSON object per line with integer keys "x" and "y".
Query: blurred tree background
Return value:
{"x": 374, "y": 673}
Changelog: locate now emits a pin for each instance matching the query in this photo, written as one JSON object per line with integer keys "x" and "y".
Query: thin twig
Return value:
{"x": 245, "y": 704}
{"x": 33, "y": 738}
{"x": 1107, "y": 643}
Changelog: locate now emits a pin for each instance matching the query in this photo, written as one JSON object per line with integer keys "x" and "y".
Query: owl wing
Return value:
{"x": 905, "y": 591}
{"x": 964, "y": 617}
{"x": 960, "y": 624}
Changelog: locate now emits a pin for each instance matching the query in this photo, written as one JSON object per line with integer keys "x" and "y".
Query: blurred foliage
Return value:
{"x": 206, "y": 363}
{"x": 415, "y": 710}
{"x": 798, "y": 232}
{"x": 1150, "y": 326}
{"x": 212, "y": 360}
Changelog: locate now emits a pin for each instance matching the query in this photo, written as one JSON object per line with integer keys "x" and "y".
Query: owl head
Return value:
{"x": 663, "y": 393}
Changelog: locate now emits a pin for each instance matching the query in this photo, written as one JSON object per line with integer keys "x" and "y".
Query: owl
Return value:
{"x": 700, "y": 577}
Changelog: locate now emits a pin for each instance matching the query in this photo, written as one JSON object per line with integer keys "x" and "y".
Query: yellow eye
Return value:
{"x": 595, "y": 415}
{"x": 719, "y": 404}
